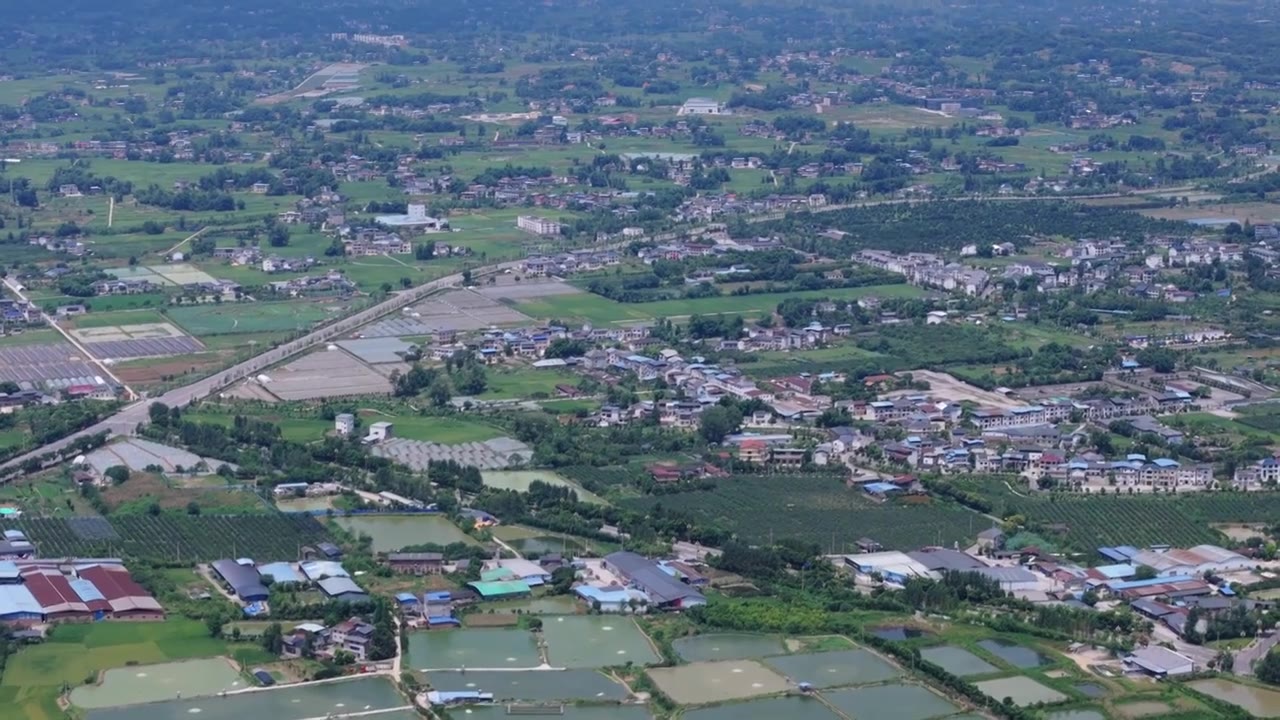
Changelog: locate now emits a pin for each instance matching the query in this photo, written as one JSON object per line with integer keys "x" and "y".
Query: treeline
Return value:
{"x": 944, "y": 226}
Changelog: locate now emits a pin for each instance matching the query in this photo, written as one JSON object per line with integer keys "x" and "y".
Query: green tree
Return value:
{"x": 273, "y": 638}
{"x": 718, "y": 422}
{"x": 117, "y": 474}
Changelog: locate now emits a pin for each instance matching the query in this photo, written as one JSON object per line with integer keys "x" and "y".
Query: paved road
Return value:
{"x": 132, "y": 415}
{"x": 1245, "y": 657}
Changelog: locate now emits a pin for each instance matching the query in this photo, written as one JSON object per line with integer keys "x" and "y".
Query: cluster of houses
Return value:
{"x": 621, "y": 582}
{"x": 927, "y": 270}
{"x": 18, "y": 313}
{"x": 330, "y": 283}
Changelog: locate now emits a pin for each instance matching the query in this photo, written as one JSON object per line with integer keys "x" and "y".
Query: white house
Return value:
{"x": 344, "y": 424}
{"x": 702, "y": 106}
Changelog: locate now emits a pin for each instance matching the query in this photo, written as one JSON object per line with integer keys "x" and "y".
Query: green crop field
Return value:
{"x": 75, "y": 654}
{"x": 1087, "y": 522}
{"x": 597, "y": 309}
{"x": 228, "y": 319}
{"x": 820, "y": 509}
{"x": 183, "y": 538}
{"x": 438, "y": 429}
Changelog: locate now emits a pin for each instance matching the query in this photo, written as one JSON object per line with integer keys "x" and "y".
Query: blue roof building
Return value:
{"x": 17, "y": 604}
{"x": 281, "y": 572}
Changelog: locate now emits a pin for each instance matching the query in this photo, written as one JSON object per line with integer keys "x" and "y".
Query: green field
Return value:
{"x": 1087, "y": 522}
{"x": 229, "y": 319}
{"x": 525, "y": 383}
{"x": 448, "y": 430}
{"x": 817, "y": 508}
{"x": 596, "y": 309}
{"x": 75, "y": 654}
{"x": 30, "y": 337}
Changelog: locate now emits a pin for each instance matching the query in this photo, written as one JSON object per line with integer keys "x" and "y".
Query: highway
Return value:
{"x": 129, "y": 417}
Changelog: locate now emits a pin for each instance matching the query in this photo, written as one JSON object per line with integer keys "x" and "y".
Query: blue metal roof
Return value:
{"x": 280, "y": 572}
{"x": 880, "y": 487}
{"x": 18, "y": 600}
{"x": 1165, "y": 462}
{"x": 85, "y": 590}
{"x": 1130, "y": 584}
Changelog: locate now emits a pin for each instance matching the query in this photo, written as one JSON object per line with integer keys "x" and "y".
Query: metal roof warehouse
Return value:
{"x": 243, "y": 579}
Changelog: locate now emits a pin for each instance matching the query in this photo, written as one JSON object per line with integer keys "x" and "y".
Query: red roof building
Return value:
{"x": 53, "y": 591}
{"x": 127, "y": 598}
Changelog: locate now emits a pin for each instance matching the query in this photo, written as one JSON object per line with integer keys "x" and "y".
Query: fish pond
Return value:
{"x": 792, "y": 708}
{"x": 393, "y": 532}
{"x": 728, "y": 646}
{"x": 1259, "y": 702}
{"x": 314, "y": 700}
{"x": 900, "y": 702}
{"x": 957, "y": 661}
{"x": 834, "y": 669}
{"x": 472, "y": 648}
{"x": 531, "y": 685}
{"x": 595, "y": 641}
{"x": 1019, "y": 656}
{"x": 164, "y": 681}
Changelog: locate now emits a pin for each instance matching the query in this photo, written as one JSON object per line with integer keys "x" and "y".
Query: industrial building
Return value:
{"x": 1190, "y": 561}
{"x": 664, "y": 589}
{"x": 243, "y": 578}
{"x": 41, "y": 592}
{"x": 1160, "y": 662}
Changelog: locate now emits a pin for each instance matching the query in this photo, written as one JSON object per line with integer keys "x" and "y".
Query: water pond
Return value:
{"x": 898, "y": 632}
{"x": 1259, "y": 702}
{"x": 1019, "y": 656}
{"x": 728, "y": 646}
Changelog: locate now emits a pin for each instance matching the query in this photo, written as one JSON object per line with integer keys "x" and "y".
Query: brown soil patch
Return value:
{"x": 158, "y": 370}
{"x": 154, "y": 487}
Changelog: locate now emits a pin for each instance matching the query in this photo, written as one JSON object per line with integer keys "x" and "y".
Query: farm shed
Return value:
{"x": 419, "y": 563}
{"x": 281, "y": 572}
{"x": 343, "y": 588}
{"x": 1011, "y": 579}
{"x": 500, "y": 589}
{"x": 243, "y": 579}
{"x": 1160, "y": 662}
{"x": 611, "y": 599}
{"x": 646, "y": 575}
{"x": 57, "y": 599}
{"x": 128, "y": 600}
{"x": 893, "y": 566}
{"x": 527, "y": 570}
{"x": 319, "y": 569}
{"x": 18, "y": 606}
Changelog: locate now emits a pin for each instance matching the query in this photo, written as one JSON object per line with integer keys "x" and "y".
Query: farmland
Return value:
{"x": 820, "y": 509}
{"x": 230, "y": 319}
{"x": 1085, "y": 522}
{"x": 36, "y": 676}
{"x": 598, "y": 309}
{"x": 174, "y": 537}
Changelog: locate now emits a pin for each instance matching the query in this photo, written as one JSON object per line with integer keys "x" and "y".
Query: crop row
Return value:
{"x": 819, "y": 508}
{"x": 181, "y": 538}
{"x": 1087, "y": 522}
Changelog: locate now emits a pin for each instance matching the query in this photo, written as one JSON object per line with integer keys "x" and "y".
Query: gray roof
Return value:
{"x": 1159, "y": 660}
{"x": 1007, "y": 574}
{"x": 334, "y": 586}
{"x": 656, "y": 582}
{"x": 244, "y": 580}
{"x": 945, "y": 559}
